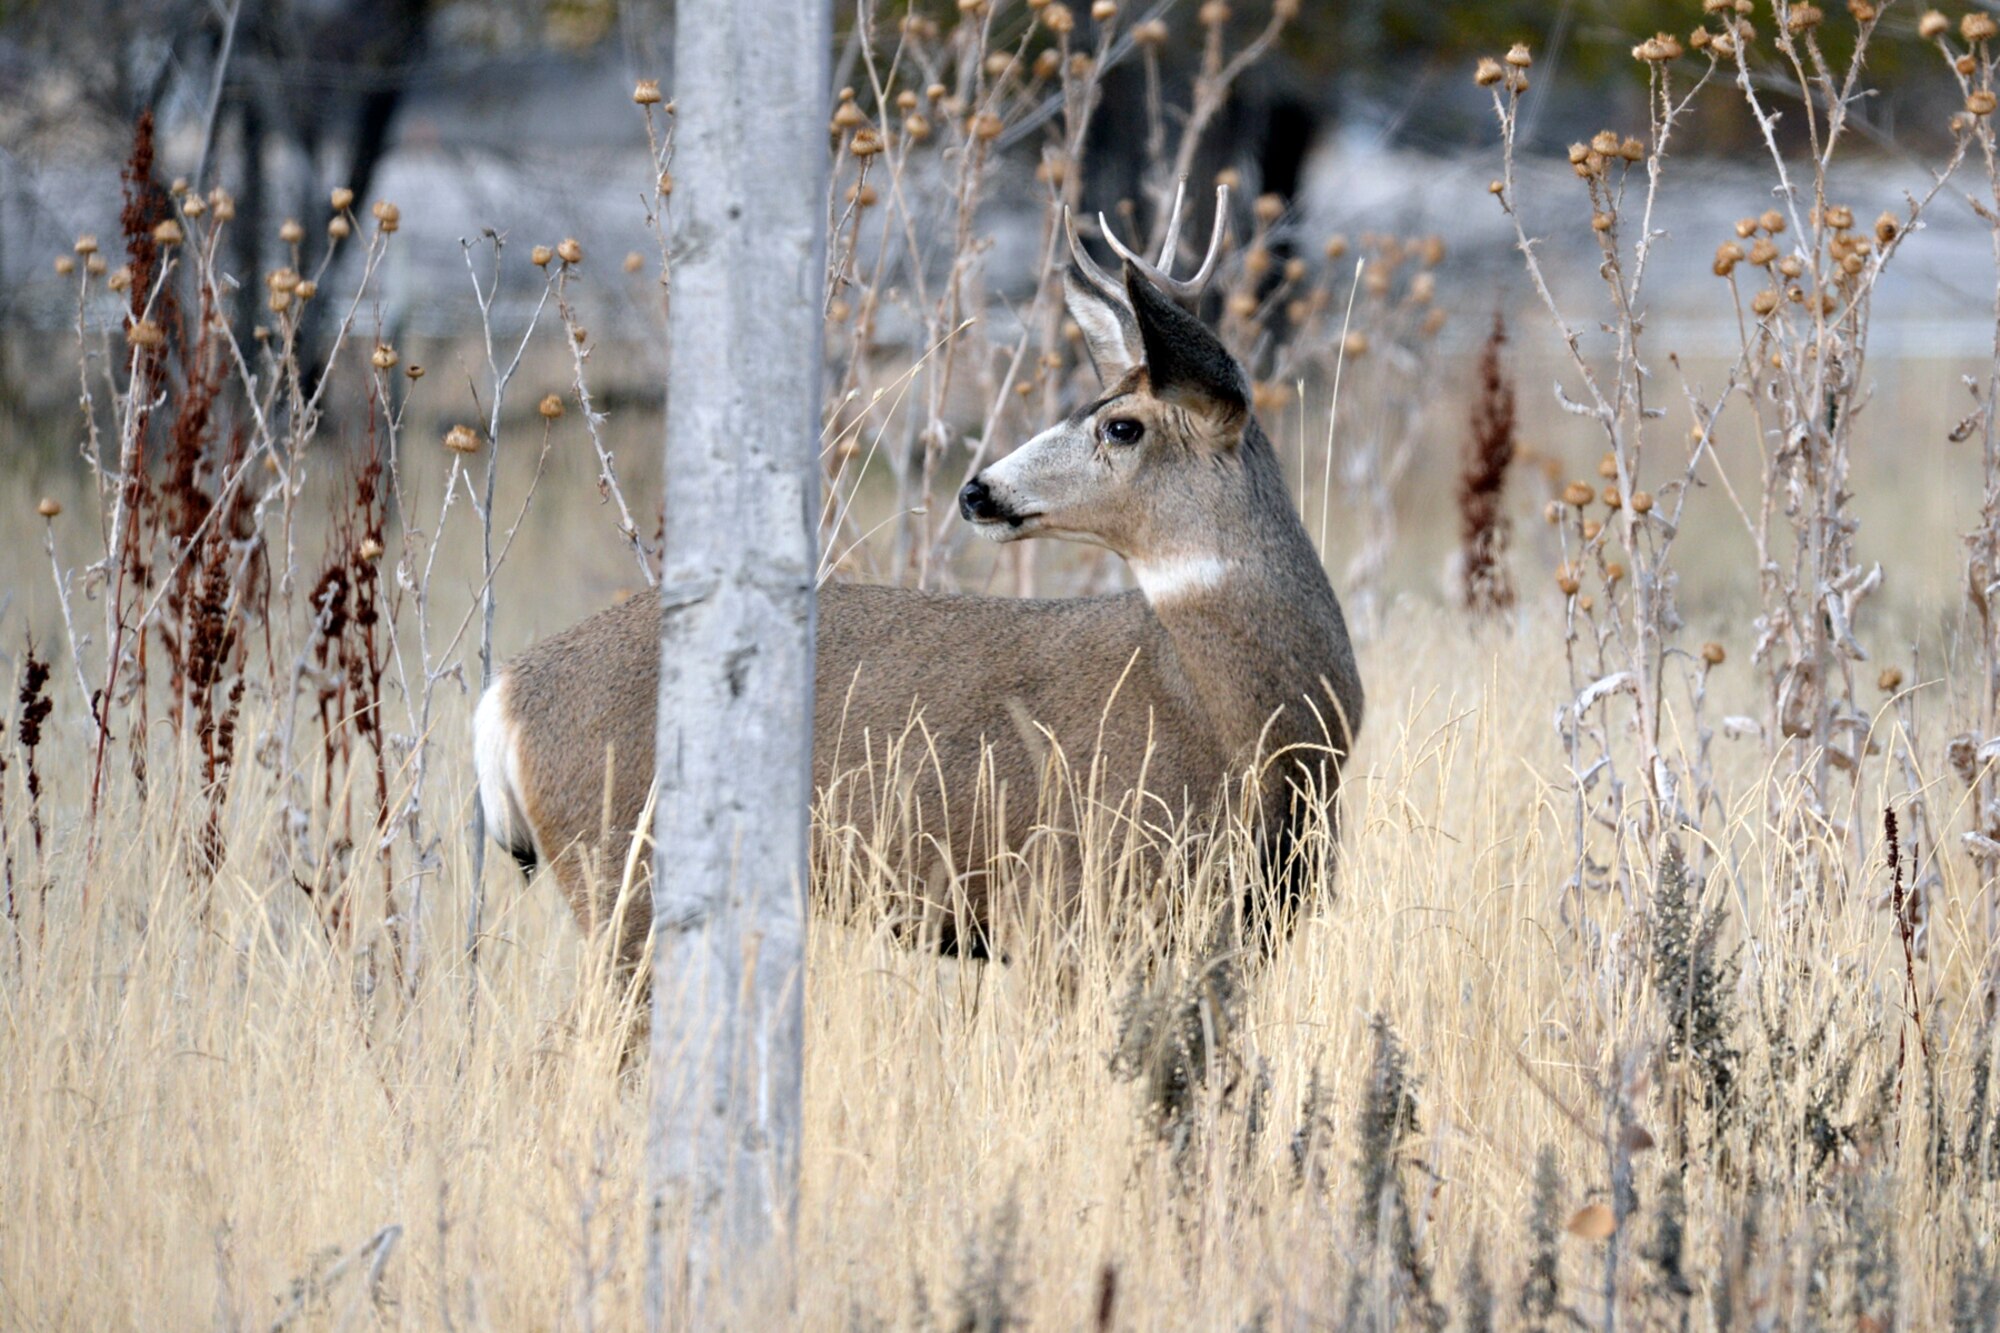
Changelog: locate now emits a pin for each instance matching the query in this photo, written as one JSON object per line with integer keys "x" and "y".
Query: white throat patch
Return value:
{"x": 1178, "y": 576}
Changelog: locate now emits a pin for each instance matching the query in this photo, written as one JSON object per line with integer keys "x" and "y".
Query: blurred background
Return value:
{"x": 516, "y": 117}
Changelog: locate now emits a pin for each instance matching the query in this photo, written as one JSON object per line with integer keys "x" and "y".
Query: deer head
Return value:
{"x": 1158, "y": 469}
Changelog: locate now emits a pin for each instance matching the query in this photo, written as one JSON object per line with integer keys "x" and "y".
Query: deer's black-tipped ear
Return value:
{"x": 1186, "y": 363}
{"x": 1109, "y": 330}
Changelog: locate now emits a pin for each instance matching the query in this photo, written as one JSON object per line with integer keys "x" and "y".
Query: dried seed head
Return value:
{"x": 1579, "y": 153}
{"x": 1487, "y": 72}
{"x": 387, "y": 216}
{"x": 1763, "y": 252}
{"x": 1803, "y": 18}
{"x": 1336, "y": 246}
{"x": 1791, "y": 266}
{"x": 1268, "y": 208}
{"x": 1152, "y": 34}
{"x": 1604, "y": 142}
{"x": 1978, "y": 26}
{"x": 279, "y": 302}
{"x": 1257, "y": 261}
{"x": 1771, "y": 220}
{"x": 1607, "y": 466}
{"x": 342, "y": 199}
{"x": 120, "y": 279}
{"x": 1600, "y": 222}
{"x": 1496, "y": 186}
{"x": 646, "y": 92}
{"x": 414, "y": 372}
{"x": 1746, "y": 228}
{"x": 307, "y": 289}
{"x": 383, "y": 357}
{"x": 1660, "y": 47}
{"x": 1727, "y": 256}
{"x": 1612, "y": 499}
{"x": 540, "y": 256}
{"x": 193, "y": 206}
{"x": 578, "y": 334}
{"x": 1932, "y": 25}
{"x": 917, "y": 127}
{"x": 462, "y": 440}
{"x": 634, "y": 261}
{"x": 1566, "y": 581}
{"x": 282, "y": 280}
{"x": 569, "y": 251}
{"x": 65, "y": 265}
{"x": 551, "y": 408}
{"x": 838, "y": 311}
{"x": 1048, "y": 64}
{"x": 339, "y": 228}
{"x": 1552, "y": 512}
{"x": 1613, "y": 571}
{"x": 369, "y": 550}
{"x": 1890, "y": 680}
{"x": 1355, "y": 344}
{"x": 145, "y": 334}
{"x": 1632, "y": 150}
{"x": 934, "y": 91}
{"x": 1058, "y": 19}
{"x": 1965, "y": 65}
{"x": 1764, "y": 302}
{"x": 847, "y": 116}
{"x": 1642, "y": 502}
{"x": 666, "y": 184}
{"x": 1712, "y": 653}
{"x": 50, "y": 507}
{"x": 865, "y": 143}
{"x": 168, "y": 232}
{"x": 1213, "y": 14}
{"x": 292, "y": 232}
{"x": 1591, "y": 527}
{"x": 1886, "y": 228}
{"x": 999, "y": 64}
{"x": 1241, "y": 305}
{"x": 1863, "y": 11}
{"x": 1840, "y": 217}
{"x": 1578, "y": 494}
{"x": 86, "y": 244}
{"x": 1980, "y": 102}
{"x": 1519, "y": 56}
{"x": 95, "y": 266}
{"x": 1104, "y": 10}
{"x": 861, "y": 195}
{"x": 986, "y": 127}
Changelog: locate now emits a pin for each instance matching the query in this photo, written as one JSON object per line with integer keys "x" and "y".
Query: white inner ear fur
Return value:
{"x": 1170, "y": 578}
{"x": 1104, "y": 334}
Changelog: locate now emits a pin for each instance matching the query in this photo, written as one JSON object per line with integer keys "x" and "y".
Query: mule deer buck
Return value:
{"x": 1227, "y": 676}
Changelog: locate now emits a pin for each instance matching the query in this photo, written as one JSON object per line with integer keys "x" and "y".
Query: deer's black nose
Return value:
{"x": 976, "y": 502}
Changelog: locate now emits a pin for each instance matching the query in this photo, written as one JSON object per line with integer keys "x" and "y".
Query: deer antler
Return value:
{"x": 1158, "y": 274}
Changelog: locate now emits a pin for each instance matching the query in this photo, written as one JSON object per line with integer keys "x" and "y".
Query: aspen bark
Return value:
{"x": 736, "y": 679}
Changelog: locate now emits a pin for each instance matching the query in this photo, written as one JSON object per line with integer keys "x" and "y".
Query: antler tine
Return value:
{"x": 1190, "y": 287}
{"x": 1081, "y": 257}
{"x": 1170, "y": 247}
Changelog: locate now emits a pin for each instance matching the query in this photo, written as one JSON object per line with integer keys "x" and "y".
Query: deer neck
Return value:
{"x": 1256, "y": 629}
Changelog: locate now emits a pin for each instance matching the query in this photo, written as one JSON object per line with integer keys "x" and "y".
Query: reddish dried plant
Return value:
{"x": 1482, "y": 484}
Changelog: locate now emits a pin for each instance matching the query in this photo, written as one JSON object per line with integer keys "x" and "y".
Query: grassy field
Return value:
{"x": 217, "y": 1103}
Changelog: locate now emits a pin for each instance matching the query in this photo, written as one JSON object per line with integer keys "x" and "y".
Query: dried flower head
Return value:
{"x": 1578, "y": 494}
{"x": 1058, "y": 19}
{"x": 1932, "y": 25}
{"x": 1519, "y": 56}
{"x": 551, "y": 407}
{"x": 1487, "y": 72}
{"x": 646, "y": 92}
{"x": 1152, "y": 34}
{"x": 462, "y": 440}
{"x": 1213, "y": 14}
{"x": 413, "y": 372}
{"x": 848, "y": 116}
{"x": 1803, "y": 18}
{"x": 145, "y": 334}
{"x": 1980, "y": 102}
{"x": 168, "y": 232}
{"x": 342, "y": 198}
{"x": 383, "y": 357}
{"x": 540, "y": 256}
{"x": 95, "y": 266}
{"x": 1712, "y": 653}
{"x": 569, "y": 250}
{"x": 339, "y": 228}
{"x": 1978, "y": 26}
{"x": 1886, "y": 227}
{"x": 86, "y": 245}
{"x": 1890, "y": 680}
{"x": 1660, "y": 47}
{"x": 1771, "y": 220}
{"x": 1642, "y": 502}
{"x": 291, "y": 232}
{"x": 387, "y": 216}
{"x": 65, "y": 265}
{"x": 120, "y": 279}
{"x": 1104, "y": 10}
{"x": 917, "y": 127}
{"x": 369, "y": 550}
{"x": 307, "y": 289}
{"x": 50, "y": 507}
{"x": 866, "y": 143}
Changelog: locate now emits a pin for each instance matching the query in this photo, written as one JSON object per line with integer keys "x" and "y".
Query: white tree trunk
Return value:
{"x": 736, "y": 677}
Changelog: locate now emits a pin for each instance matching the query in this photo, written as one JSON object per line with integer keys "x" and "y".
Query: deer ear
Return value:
{"x": 1185, "y": 362}
{"x": 1109, "y": 330}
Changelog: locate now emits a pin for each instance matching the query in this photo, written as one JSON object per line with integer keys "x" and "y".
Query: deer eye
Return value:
{"x": 1123, "y": 430}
